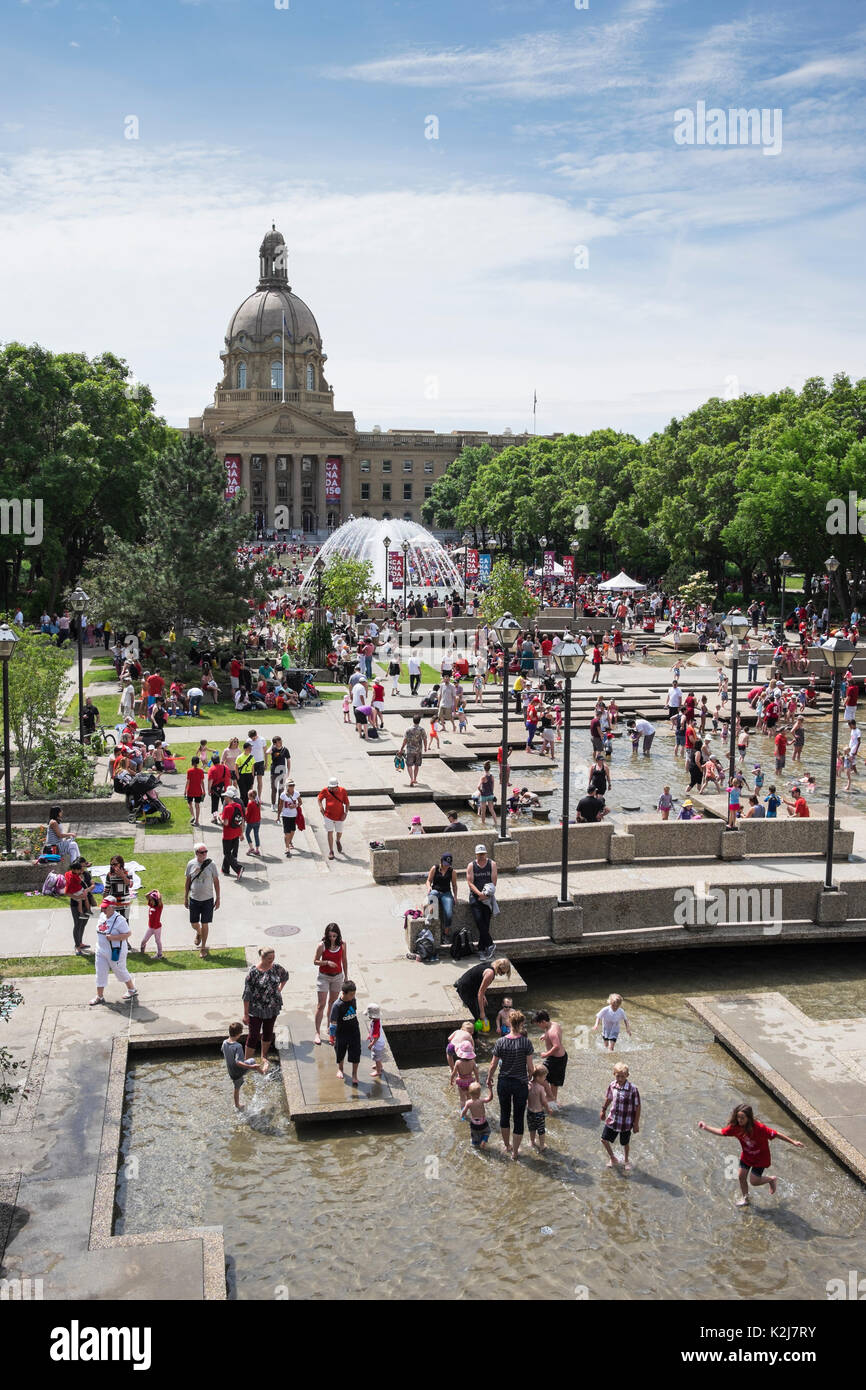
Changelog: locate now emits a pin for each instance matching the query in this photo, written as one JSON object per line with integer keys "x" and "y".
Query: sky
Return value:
{"x": 482, "y": 200}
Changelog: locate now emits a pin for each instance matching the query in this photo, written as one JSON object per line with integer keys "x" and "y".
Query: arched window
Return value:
{"x": 311, "y": 377}
{"x": 242, "y": 376}
{"x": 276, "y": 376}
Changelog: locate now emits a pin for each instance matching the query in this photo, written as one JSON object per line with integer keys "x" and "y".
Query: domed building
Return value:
{"x": 302, "y": 463}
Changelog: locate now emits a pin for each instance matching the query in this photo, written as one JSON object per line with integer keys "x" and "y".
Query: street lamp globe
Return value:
{"x": 735, "y": 625}
{"x": 507, "y": 631}
{"x": 386, "y": 541}
{"x": 785, "y": 561}
{"x": 838, "y": 652}
{"x": 7, "y": 641}
{"x": 569, "y": 659}
{"x": 78, "y": 600}
{"x": 831, "y": 565}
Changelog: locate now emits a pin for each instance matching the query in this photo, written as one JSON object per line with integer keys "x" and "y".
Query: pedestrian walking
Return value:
{"x": 622, "y": 1101}
{"x": 232, "y": 823}
{"x": 513, "y": 1054}
{"x": 333, "y": 802}
{"x": 201, "y": 895}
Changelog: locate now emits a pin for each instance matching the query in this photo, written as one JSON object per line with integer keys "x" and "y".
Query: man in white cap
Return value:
{"x": 334, "y": 805}
{"x": 112, "y": 945}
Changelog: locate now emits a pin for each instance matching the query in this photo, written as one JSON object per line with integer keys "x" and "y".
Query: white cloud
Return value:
{"x": 839, "y": 67}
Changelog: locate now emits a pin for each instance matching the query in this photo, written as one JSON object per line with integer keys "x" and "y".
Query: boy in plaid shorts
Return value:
{"x": 623, "y": 1099}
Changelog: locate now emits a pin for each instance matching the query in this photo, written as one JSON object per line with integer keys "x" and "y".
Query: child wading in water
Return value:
{"x": 503, "y": 1023}
{"x": 555, "y": 1058}
{"x": 623, "y": 1098}
{"x": 465, "y": 1070}
{"x": 536, "y": 1104}
{"x": 375, "y": 1041}
{"x": 611, "y": 1017}
{"x": 665, "y": 802}
{"x": 154, "y": 923}
{"x": 345, "y": 1030}
{"x": 466, "y": 1032}
{"x": 755, "y": 1149}
{"x": 474, "y": 1111}
{"x": 233, "y": 1052}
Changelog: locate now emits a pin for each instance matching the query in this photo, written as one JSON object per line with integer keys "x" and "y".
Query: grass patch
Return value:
{"x": 165, "y": 871}
{"x": 29, "y": 967}
{"x": 429, "y": 674}
{"x": 179, "y": 817}
{"x": 100, "y": 851}
{"x": 101, "y": 675}
{"x": 210, "y": 714}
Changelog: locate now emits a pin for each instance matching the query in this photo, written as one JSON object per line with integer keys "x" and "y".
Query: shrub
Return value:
{"x": 63, "y": 767}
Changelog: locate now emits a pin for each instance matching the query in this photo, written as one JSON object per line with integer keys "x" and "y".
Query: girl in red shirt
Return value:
{"x": 253, "y": 818}
{"x": 754, "y": 1148}
{"x": 154, "y": 923}
{"x": 194, "y": 790}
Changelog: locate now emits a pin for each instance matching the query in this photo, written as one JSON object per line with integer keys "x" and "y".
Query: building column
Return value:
{"x": 270, "y": 490}
{"x": 321, "y": 504}
{"x": 297, "y": 499}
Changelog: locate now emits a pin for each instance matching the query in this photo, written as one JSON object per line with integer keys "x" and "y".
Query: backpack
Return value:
{"x": 371, "y": 732}
{"x": 236, "y": 819}
{"x": 425, "y": 945}
{"x": 461, "y": 946}
{"x": 54, "y": 885}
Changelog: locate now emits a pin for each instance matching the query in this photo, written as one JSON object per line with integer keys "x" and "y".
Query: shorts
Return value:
{"x": 332, "y": 824}
{"x": 359, "y": 717}
{"x": 329, "y": 984}
{"x": 549, "y": 735}
{"x": 377, "y": 1049}
{"x": 479, "y": 1132}
{"x": 259, "y": 769}
{"x": 751, "y": 1167}
{"x": 611, "y": 1134}
{"x": 535, "y": 1121}
{"x": 290, "y": 824}
{"x": 379, "y": 704}
{"x": 556, "y": 1070}
{"x": 238, "y": 1081}
{"x": 263, "y": 1027}
{"x": 851, "y": 713}
{"x": 348, "y": 1046}
{"x": 487, "y": 800}
{"x": 197, "y": 799}
{"x": 201, "y": 910}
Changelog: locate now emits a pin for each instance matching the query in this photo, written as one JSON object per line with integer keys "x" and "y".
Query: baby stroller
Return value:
{"x": 551, "y": 690}
{"x": 142, "y": 802}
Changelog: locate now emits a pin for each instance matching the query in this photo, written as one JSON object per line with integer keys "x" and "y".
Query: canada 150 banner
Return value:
{"x": 233, "y": 475}
{"x": 333, "y": 470}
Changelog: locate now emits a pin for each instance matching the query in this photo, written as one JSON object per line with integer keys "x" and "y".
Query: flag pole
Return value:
{"x": 283, "y": 338}
{"x": 534, "y": 404}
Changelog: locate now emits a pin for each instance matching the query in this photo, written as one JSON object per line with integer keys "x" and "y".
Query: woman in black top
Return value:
{"x": 695, "y": 765}
{"x": 474, "y": 984}
{"x": 442, "y": 881}
{"x": 514, "y": 1054}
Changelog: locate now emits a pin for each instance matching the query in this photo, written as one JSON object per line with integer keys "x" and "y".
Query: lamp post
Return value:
{"x": 838, "y": 652}
{"x": 405, "y": 548}
{"x": 466, "y": 539}
{"x": 78, "y": 602}
{"x": 831, "y": 567}
{"x": 568, "y": 661}
{"x": 7, "y": 647}
{"x": 386, "y": 541}
{"x": 785, "y": 563}
{"x": 507, "y": 631}
{"x": 735, "y": 625}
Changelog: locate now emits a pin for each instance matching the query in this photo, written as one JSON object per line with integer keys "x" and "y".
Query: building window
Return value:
{"x": 407, "y": 465}
{"x": 386, "y": 492}
{"x": 428, "y": 466}
{"x": 276, "y": 376}
{"x": 407, "y": 492}
{"x": 386, "y": 516}
{"x": 258, "y": 491}
{"x": 428, "y": 490}
{"x": 257, "y": 462}
{"x": 365, "y": 465}
{"x": 242, "y": 376}
{"x": 311, "y": 377}
{"x": 282, "y": 463}
{"x": 365, "y": 492}
{"x": 306, "y": 464}
{"x": 306, "y": 492}
{"x": 407, "y": 516}
{"x": 282, "y": 490}
{"x": 386, "y": 465}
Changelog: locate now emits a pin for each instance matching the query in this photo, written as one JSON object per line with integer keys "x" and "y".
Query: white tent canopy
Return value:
{"x": 619, "y": 582}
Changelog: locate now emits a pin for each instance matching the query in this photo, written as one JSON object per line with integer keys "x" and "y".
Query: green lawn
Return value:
{"x": 179, "y": 817}
{"x": 165, "y": 871}
{"x": 210, "y": 714}
{"x": 101, "y": 675}
{"x": 28, "y": 967}
{"x": 99, "y": 851}
{"x": 429, "y": 674}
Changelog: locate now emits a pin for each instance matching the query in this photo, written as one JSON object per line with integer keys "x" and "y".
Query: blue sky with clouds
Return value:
{"x": 445, "y": 273}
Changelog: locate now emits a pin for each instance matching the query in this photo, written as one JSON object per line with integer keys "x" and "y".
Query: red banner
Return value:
{"x": 549, "y": 562}
{"x": 233, "y": 475}
{"x": 473, "y": 565}
{"x": 333, "y": 472}
{"x": 395, "y": 567}
{"x": 568, "y": 566}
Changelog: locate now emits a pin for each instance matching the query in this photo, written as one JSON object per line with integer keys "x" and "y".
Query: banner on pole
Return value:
{"x": 472, "y": 568}
{"x": 549, "y": 562}
{"x": 233, "y": 475}
{"x": 485, "y": 565}
{"x": 395, "y": 567}
{"x": 568, "y": 566}
{"x": 333, "y": 478}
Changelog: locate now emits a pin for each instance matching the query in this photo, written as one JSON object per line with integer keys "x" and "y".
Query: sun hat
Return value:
{"x": 416, "y": 820}
{"x": 688, "y": 801}
{"x": 373, "y": 1011}
{"x": 465, "y": 1051}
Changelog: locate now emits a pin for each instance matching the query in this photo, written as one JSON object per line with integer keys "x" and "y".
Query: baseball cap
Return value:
{"x": 109, "y": 902}
{"x": 447, "y": 858}
{"x": 480, "y": 849}
{"x": 333, "y": 782}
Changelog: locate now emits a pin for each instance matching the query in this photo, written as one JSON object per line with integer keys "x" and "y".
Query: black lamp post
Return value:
{"x": 507, "y": 631}
{"x": 785, "y": 563}
{"x": 838, "y": 652}
{"x": 831, "y": 566}
{"x": 735, "y": 625}
{"x": 386, "y": 541}
{"x": 466, "y": 539}
{"x": 405, "y": 549}
{"x": 568, "y": 661}
{"x": 78, "y": 602}
{"x": 7, "y": 647}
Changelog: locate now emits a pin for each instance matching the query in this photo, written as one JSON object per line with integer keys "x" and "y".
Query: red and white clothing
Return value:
{"x": 755, "y": 1146}
{"x": 154, "y": 927}
{"x": 375, "y": 1041}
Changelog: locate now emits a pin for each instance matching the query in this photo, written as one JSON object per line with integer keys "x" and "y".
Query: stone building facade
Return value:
{"x": 302, "y": 463}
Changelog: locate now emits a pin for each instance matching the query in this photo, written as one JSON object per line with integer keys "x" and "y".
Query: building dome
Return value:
{"x": 260, "y": 317}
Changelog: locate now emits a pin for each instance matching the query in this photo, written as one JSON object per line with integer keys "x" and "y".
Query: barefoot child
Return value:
{"x": 623, "y": 1099}
{"x": 347, "y": 708}
{"x": 555, "y": 1058}
{"x": 465, "y": 1070}
{"x": 461, "y": 1034}
{"x": 375, "y": 1040}
{"x": 611, "y": 1017}
{"x": 345, "y": 1030}
{"x": 474, "y": 1111}
{"x": 233, "y": 1052}
{"x": 503, "y": 1024}
{"x": 665, "y": 802}
{"x": 154, "y": 922}
{"x": 435, "y": 730}
{"x": 754, "y": 1141}
{"x": 536, "y": 1104}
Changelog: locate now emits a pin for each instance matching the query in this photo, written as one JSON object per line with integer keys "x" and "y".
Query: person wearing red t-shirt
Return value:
{"x": 78, "y": 893}
{"x": 155, "y": 687}
{"x": 755, "y": 1148}
{"x": 799, "y": 806}
{"x": 219, "y": 778}
{"x": 194, "y": 790}
{"x": 232, "y": 822}
{"x": 780, "y": 743}
{"x": 334, "y": 805}
{"x": 253, "y": 818}
{"x": 378, "y": 703}
{"x": 234, "y": 673}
